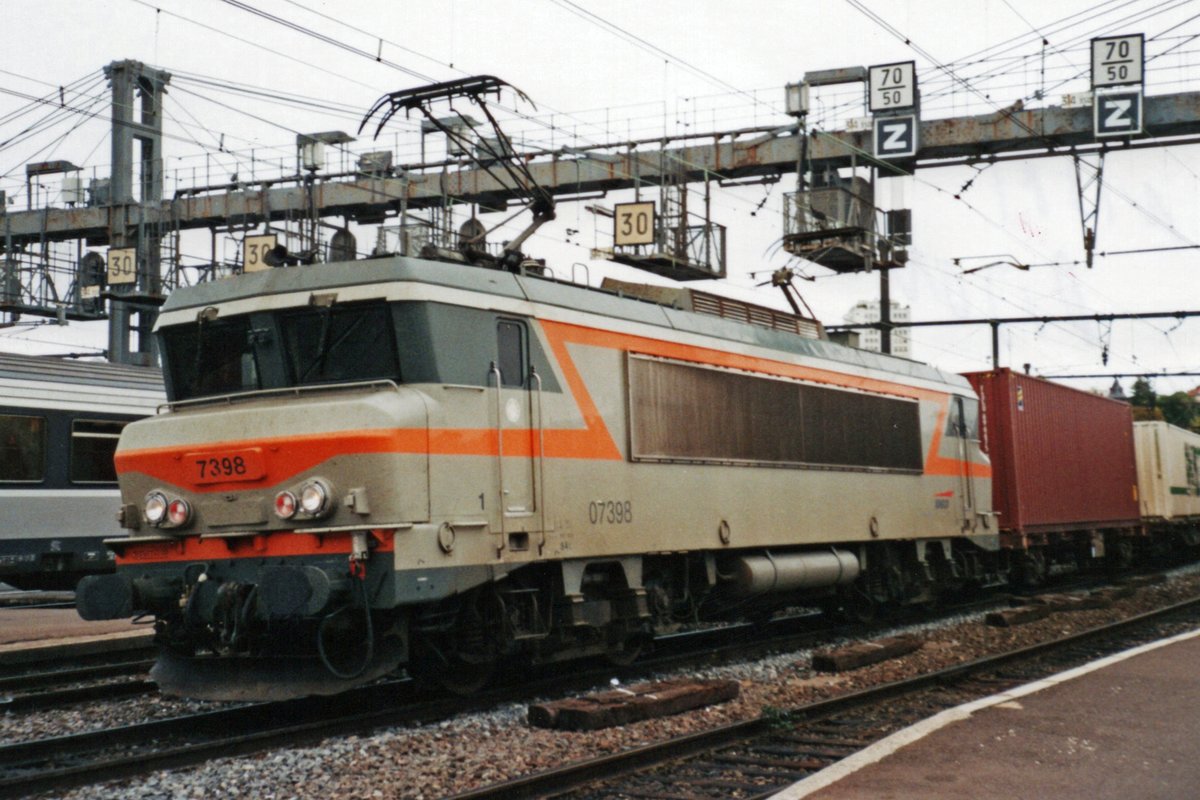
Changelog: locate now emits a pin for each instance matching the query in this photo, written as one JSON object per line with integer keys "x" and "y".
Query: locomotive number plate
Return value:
{"x": 230, "y": 465}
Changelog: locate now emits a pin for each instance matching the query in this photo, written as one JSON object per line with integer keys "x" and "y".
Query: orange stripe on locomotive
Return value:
{"x": 287, "y": 457}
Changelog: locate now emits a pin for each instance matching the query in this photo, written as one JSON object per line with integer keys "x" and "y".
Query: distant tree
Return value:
{"x": 1178, "y": 409}
{"x": 1144, "y": 402}
{"x": 1143, "y": 394}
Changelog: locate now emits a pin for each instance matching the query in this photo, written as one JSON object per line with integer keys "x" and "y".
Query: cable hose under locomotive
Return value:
{"x": 370, "y": 638}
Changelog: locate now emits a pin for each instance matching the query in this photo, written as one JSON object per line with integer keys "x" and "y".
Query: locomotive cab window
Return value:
{"x": 962, "y": 419}
{"x": 93, "y": 444}
{"x": 510, "y": 341}
{"x": 341, "y": 343}
{"x": 22, "y": 448}
{"x": 211, "y": 357}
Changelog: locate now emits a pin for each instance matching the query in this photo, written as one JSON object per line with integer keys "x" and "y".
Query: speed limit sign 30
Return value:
{"x": 633, "y": 223}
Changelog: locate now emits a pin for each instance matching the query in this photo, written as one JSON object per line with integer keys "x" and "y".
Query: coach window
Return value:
{"x": 510, "y": 339}
{"x": 22, "y": 448}
{"x": 93, "y": 445}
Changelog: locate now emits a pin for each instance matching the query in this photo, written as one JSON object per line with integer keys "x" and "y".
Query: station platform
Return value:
{"x": 1126, "y": 726}
{"x": 29, "y": 632}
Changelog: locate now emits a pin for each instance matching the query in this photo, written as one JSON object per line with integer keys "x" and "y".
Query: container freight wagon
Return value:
{"x": 1168, "y": 461}
{"x": 1064, "y": 474}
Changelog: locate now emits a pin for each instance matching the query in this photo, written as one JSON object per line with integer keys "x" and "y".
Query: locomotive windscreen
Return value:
{"x": 735, "y": 418}
{"x": 210, "y": 357}
{"x": 340, "y": 343}
{"x": 274, "y": 350}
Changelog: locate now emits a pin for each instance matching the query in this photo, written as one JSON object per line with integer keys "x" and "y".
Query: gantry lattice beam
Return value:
{"x": 1008, "y": 134}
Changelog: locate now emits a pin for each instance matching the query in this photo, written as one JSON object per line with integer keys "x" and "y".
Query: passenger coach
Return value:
{"x": 59, "y": 425}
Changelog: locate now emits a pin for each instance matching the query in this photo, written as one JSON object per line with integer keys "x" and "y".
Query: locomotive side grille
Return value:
{"x": 739, "y": 418}
{"x": 729, "y": 308}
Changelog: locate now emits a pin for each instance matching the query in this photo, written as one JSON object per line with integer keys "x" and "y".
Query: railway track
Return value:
{"x": 17, "y": 663}
{"x": 59, "y": 763}
{"x": 63, "y": 762}
{"x": 33, "y": 700}
{"x": 56, "y": 764}
{"x": 760, "y": 757}
{"x": 37, "y": 685}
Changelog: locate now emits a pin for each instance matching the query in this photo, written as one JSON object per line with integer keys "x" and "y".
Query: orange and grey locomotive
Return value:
{"x": 407, "y": 462}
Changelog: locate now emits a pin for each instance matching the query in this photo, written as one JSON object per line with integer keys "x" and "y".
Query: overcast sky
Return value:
{"x": 613, "y": 71}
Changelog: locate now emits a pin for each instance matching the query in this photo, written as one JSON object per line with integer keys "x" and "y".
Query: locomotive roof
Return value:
{"x": 48, "y": 369}
{"x": 324, "y": 277}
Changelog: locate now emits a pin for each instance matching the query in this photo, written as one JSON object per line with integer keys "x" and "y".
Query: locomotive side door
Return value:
{"x": 515, "y": 415}
{"x": 964, "y": 427}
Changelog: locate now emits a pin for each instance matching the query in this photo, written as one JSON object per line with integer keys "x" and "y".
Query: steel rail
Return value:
{"x": 577, "y": 775}
{"x": 58, "y": 763}
{"x": 57, "y": 677}
{"x": 41, "y": 701}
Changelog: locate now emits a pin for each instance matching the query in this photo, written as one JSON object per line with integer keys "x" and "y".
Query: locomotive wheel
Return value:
{"x": 462, "y": 678}
{"x": 857, "y": 606}
{"x": 434, "y": 666}
{"x": 626, "y": 651}
{"x": 463, "y": 661}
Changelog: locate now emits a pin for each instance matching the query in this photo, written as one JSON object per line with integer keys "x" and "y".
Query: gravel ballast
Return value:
{"x": 436, "y": 760}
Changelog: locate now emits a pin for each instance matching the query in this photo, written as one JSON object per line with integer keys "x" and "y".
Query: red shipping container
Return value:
{"x": 1062, "y": 459}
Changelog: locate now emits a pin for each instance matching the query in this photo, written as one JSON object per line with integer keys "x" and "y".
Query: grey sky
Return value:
{"x": 610, "y": 71}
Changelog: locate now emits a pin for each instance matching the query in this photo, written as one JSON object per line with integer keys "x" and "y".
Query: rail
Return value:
{"x": 559, "y": 782}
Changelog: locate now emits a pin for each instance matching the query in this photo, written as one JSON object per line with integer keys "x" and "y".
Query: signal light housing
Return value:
{"x": 162, "y": 511}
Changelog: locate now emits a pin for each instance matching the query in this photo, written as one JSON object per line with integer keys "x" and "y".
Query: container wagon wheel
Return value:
{"x": 1029, "y": 568}
{"x": 1119, "y": 551}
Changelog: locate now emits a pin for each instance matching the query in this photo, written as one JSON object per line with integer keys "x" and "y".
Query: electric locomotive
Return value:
{"x": 400, "y": 461}
{"x": 456, "y": 463}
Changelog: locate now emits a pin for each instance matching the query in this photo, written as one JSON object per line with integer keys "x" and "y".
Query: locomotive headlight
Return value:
{"x": 315, "y": 498}
{"x": 155, "y": 507}
{"x": 179, "y": 512}
{"x": 285, "y": 505}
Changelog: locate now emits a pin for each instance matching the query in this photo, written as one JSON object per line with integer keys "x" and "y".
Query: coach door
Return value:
{"x": 517, "y": 422}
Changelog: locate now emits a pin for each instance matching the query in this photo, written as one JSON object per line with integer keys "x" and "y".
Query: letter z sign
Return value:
{"x": 895, "y": 137}
{"x": 1118, "y": 113}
